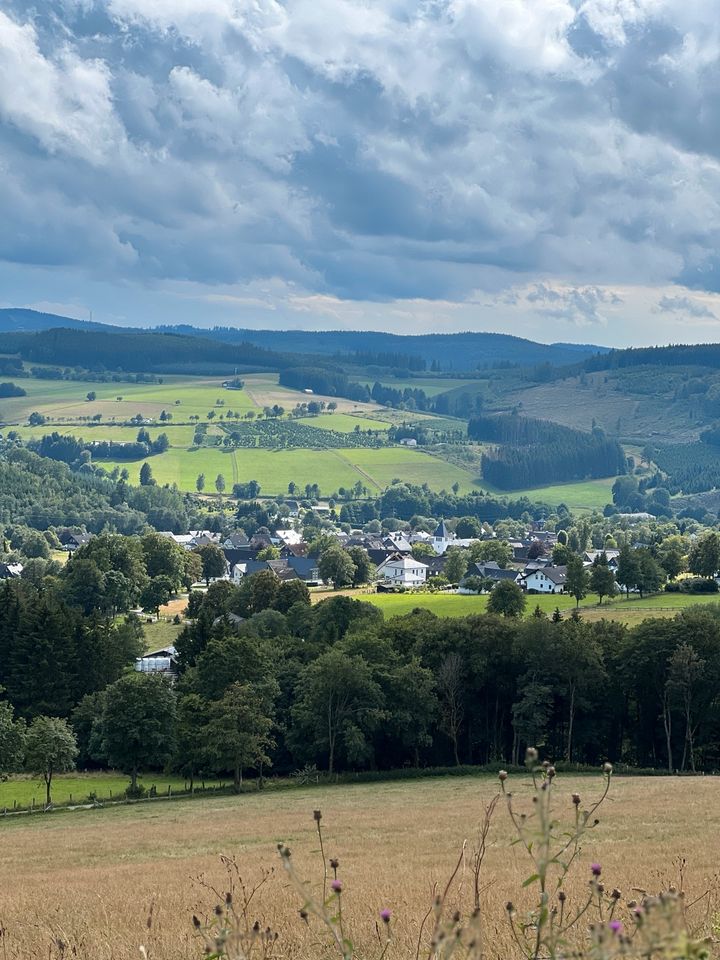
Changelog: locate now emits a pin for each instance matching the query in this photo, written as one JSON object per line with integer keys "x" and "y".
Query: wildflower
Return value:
{"x": 576, "y": 799}
{"x": 616, "y": 894}
{"x": 531, "y": 755}
{"x": 509, "y": 907}
{"x": 550, "y": 772}
{"x": 607, "y": 768}
{"x": 334, "y": 864}
{"x": 615, "y": 926}
{"x": 385, "y": 915}
{"x": 595, "y": 869}
{"x": 562, "y": 896}
{"x": 336, "y": 886}
{"x": 502, "y": 776}
{"x": 317, "y": 816}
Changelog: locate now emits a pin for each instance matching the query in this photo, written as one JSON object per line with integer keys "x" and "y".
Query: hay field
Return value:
{"x": 90, "y": 877}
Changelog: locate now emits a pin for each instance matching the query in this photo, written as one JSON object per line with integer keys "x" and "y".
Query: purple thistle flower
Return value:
{"x": 615, "y": 926}
{"x": 595, "y": 869}
{"x": 385, "y": 915}
{"x": 336, "y": 886}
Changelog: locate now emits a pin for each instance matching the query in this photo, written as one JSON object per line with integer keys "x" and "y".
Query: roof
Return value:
{"x": 557, "y": 575}
{"x": 403, "y": 563}
{"x": 9, "y": 571}
{"x": 442, "y": 532}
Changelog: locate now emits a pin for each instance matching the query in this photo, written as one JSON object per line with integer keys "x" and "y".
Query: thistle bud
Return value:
{"x": 317, "y": 816}
{"x": 576, "y": 799}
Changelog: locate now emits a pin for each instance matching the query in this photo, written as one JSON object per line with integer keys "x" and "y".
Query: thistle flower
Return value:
{"x": 336, "y": 886}
{"x": 385, "y": 915}
{"x": 615, "y": 926}
{"x": 595, "y": 869}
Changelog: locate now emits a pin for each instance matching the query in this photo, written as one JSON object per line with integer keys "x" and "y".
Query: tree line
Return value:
{"x": 268, "y": 681}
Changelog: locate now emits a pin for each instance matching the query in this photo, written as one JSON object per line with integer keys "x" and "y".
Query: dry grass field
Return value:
{"x": 89, "y": 878}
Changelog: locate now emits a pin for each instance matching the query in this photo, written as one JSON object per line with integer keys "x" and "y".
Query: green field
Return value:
{"x": 21, "y": 790}
{"x": 275, "y": 469}
{"x": 179, "y": 436}
{"x": 458, "y": 605}
{"x": 585, "y": 495}
{"x": 343, "y": 422}
{"x": 63, "y": 401}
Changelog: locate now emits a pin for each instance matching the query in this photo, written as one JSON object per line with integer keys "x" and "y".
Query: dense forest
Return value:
{"x": 537, "y": 452}
{"x": 701, "y": 355}
{"x": 337, "y": 685}
{"x": 140, "y": 352}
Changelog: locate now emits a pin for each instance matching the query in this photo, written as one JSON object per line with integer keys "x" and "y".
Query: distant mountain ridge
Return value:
{"x": 453, "y": 351}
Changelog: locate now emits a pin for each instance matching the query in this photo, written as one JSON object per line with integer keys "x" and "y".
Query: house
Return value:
{"x": 398, "y": 542}
{"x": 73, "y": 541}
{"x": 545, "y": 580}
{"x": 291, "y": 538}
{"x": 491, "y": 571}
{"x": 10, "y": 571}
{"x": 409, "y": 442}
{"x": 163, "y": 660}
{"x": 613, "y": 557}
{"x": 235, "y": 540}
{"x": 402, "y": 571}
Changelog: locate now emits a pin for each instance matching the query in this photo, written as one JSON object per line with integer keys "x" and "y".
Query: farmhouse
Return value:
{"x": 545, "y": 580}
{"x": 402, "y": 571}
{"x": 10, "y": 571}
{"x": 163, "y": 661}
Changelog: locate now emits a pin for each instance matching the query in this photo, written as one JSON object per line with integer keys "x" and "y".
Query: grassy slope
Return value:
{"x": 584, "y": 495}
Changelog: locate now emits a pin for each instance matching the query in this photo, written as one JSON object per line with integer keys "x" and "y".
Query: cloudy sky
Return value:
{"x": 549, "y": 168}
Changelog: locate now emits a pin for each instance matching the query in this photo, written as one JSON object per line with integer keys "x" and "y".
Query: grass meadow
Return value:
{"x": 92, "y": 879}
{"x": 583, "y": 496}
{"x": 274, "y": 470}
{"x": 459, "y": 605}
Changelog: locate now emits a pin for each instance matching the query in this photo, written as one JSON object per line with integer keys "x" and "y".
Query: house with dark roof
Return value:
{"x": 545, "y": 580}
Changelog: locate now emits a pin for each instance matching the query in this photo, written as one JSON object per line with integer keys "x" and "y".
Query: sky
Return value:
{"x": 547, "y": 168}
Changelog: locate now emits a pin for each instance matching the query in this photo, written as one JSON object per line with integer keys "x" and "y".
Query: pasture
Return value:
{"x": 275, "y": 469}
{"x": 582, "y": 496}
{"x": 93, "y": 878}
{"x": 77, "y": 787}
{"x": 464, "y": 605}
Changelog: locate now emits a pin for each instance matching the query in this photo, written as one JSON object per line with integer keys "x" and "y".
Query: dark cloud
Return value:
{"x": 378, "y": 152}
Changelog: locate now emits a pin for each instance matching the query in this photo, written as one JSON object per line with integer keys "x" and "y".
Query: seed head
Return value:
{"x": 616, "y": 894}
{"x": 576, "y": 799}
{"x": 562, "y": 896}
{"x": 317, "y": 816}
{"x": 509, "y": 907}
{"x": 334, "y": 864}
{"x": 304, "y": 914}
{"x": 502, "y": 776}
{"x": 531, "y": 755}
{"x": 607, "y": 768}
{"x": 550, "y": 772}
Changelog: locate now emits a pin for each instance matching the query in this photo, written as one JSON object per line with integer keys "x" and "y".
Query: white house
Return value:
{"x": 546, "y": 580}
{"x": 404, "y": 571}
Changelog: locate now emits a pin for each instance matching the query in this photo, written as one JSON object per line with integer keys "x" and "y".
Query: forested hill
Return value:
{"x": 676, "y": 355}
{"x": 452, "y": 351}
{"x": 140, "y": 351}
